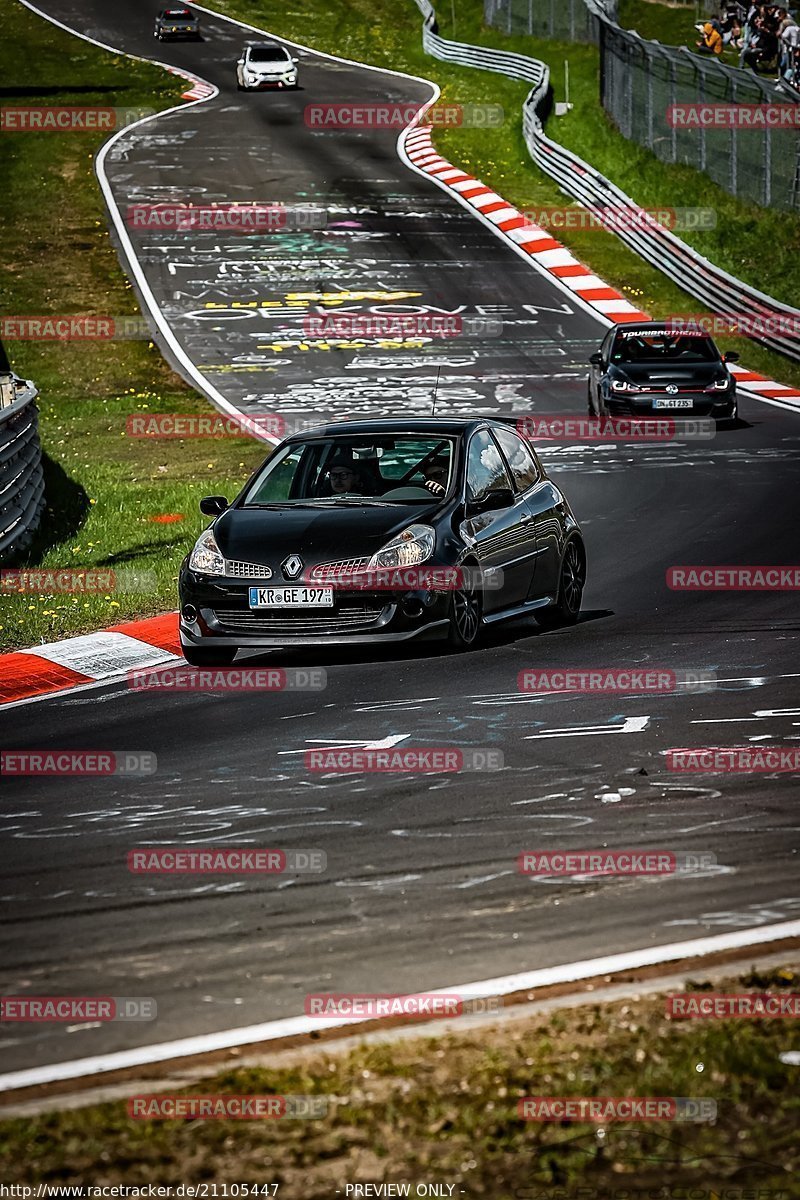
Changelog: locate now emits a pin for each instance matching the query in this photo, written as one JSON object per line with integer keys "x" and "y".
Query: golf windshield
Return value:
{"x": 663, "y": 348}
{"x": 385, "y": 470}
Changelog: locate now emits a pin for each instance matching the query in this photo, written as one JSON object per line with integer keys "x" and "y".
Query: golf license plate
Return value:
{"x": 669, "y": 402}
{"x": 291, "y": 597}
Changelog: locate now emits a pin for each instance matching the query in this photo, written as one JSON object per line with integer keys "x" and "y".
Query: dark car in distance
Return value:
{"x": 651, "y": 368}
{"x": 382, "y": 530}
{"x": 175, "y": 23}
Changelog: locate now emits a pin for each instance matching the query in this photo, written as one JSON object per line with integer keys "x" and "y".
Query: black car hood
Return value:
{"x": 318, "y": 534}
{"x": 700, "y": 374}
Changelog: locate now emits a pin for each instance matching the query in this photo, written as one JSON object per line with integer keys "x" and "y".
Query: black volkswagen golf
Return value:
{"x": 371, "y": 531}
{"x": 651, "y": 368}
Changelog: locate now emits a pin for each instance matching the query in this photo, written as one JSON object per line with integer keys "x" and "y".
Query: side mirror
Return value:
{"x": 492, "y": 501}
{"x": 212, "y": 506}
{"x": 295, "y": 61}
{"x": 730, "y": 356}
{"x": 596, "y": 359}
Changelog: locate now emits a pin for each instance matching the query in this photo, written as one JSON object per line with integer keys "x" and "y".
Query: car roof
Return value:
{"x": 264, "y": 46}
{"x": 397, "y": 426}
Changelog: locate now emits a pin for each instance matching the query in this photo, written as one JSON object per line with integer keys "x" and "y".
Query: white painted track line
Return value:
{"x": 503, "y": 985}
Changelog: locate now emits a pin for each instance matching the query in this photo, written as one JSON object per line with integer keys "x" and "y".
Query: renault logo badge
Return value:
{"x": 292, "y": 566}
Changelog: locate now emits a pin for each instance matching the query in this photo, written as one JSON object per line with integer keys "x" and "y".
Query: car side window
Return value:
{"x": 605, "y": 348}
{"x": 486, "y": 471}
{"x": 519, "y": 458}
{"x": 619, "y": 351}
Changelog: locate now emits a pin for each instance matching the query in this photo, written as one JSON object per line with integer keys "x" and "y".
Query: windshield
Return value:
{"x": 663, "y": 348}
{"x": 269, "y": 54}
{"x": 179, "y": 14}
{"x": 327, "y": 471}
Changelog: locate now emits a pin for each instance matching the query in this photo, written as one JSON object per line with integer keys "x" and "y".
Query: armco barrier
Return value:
{"x": 21, "y": 476}
{"x": 718, "y": 291}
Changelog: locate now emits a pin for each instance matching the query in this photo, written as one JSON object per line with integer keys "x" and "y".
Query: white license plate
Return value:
{"x": 291, "y": 597}
{"x": 670, "y": 403}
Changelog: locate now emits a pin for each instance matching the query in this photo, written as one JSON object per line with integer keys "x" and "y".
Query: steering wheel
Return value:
{"x": 407, "y": 493}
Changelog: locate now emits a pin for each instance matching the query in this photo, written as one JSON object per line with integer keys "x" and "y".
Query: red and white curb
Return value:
{"x": 551, "y": 256}
{"x": 766, "y": 389}
{"x": 525, "y": 235}
{"x": 200, "y": 89}
{"x": 92, "y": 658}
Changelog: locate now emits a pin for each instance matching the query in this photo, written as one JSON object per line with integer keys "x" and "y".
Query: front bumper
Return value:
{"x": 219, "y": 615}
{"x": 264, "y": 85}
{"x": 720, "y": 406}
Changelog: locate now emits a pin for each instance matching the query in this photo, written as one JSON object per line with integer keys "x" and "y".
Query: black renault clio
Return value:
{"x": 651, "y": 368}
{"x": 322, "y": 543}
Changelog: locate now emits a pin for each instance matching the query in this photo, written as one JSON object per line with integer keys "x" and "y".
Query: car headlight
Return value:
{"x": 206, "y": 555}
{"x": 414, "y": 545}
{"x": 622, "y": 385}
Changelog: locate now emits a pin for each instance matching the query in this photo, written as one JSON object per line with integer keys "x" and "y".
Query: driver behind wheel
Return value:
{"x": 436, "y": 472}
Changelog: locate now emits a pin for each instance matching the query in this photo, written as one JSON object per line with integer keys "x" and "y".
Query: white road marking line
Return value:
{"x": 714, "y": 824}
{"x": 470, "y": 883}
{"x": 339, "y": 744}
{"x": 721, "y": 720}
{"x": 502, "y": 985}
{"x": 630, "y": 725}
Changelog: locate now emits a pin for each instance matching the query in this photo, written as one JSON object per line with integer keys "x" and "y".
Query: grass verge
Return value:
{"x": 107, "y": 494}
{"x": 670, "y": 24}
{"x": 445, "y": 1111}
{"x": 354, "y": 29}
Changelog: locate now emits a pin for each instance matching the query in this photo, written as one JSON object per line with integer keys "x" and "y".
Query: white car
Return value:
{"x": 265, "y": 65}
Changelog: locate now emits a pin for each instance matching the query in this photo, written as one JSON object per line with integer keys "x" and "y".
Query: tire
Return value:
{"x": 731, "y": 422}
{"x": 466, "y": 612}
{"x": 571, "y": 583}
{"x": 199, "y": 656}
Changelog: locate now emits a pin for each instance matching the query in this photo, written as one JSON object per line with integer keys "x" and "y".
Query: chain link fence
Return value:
{"x": 642, "y": 82}
{"x": 558, "y": 20}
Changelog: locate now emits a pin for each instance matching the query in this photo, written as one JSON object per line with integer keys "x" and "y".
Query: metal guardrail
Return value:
{"x": 516, "y": 66}
{"x": 21, "y": 476}
{"x": 715, "y": 288}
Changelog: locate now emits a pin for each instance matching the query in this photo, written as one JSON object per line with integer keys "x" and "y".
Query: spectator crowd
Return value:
{"x": 766, "y": 38}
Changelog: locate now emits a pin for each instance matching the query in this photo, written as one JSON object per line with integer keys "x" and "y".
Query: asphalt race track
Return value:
{"x": 421, "y": 888}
